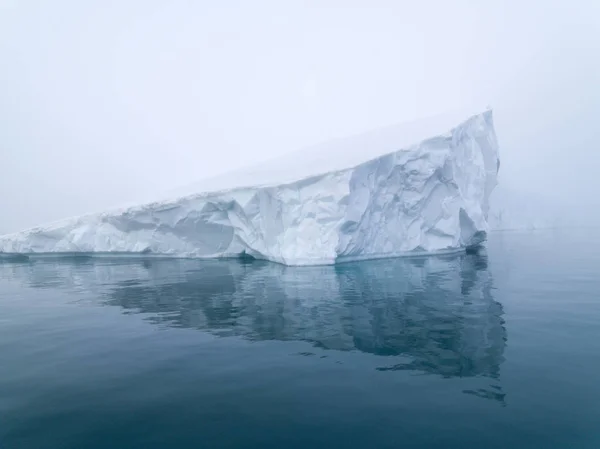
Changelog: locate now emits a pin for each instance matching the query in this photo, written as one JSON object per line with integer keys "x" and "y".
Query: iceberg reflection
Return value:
{"x": 437, "y": 312}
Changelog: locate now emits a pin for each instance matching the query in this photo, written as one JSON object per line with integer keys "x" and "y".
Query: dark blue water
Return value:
{"x": 498, "y": 349}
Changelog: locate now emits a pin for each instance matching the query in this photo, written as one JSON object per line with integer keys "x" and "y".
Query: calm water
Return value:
{"x": 499, "y": 349}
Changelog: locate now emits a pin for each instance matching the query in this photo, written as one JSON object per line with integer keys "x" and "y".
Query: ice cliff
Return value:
{"x": 371, "y": 196}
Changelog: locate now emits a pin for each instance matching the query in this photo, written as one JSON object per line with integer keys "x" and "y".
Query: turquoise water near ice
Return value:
{"x": 495, "y": 349}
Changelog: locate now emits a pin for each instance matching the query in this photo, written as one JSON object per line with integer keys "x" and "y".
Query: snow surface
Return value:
{"x": 369, "y": 196}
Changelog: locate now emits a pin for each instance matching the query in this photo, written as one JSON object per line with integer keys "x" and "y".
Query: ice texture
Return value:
{"x": 366, "y": 197}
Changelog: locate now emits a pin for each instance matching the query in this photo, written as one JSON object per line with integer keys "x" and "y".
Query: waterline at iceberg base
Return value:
{"x": 428, "y": 197}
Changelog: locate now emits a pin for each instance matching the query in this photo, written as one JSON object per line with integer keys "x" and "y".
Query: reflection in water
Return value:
{"x": 438, "y": 313}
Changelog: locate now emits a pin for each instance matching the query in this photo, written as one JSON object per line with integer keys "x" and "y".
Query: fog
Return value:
{"x": 105, "y": 102}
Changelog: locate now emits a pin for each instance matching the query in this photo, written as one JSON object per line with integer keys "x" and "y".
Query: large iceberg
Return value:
{"x": 420, "y": 188}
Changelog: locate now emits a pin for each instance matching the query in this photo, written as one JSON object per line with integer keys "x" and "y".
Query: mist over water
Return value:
{"x": 109, "y": 103}
{"x": 105, "y": 103}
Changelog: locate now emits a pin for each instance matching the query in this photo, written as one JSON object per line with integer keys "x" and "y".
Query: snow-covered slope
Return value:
{"x": 333, "y": 155}
{"x": 341, "y": 205}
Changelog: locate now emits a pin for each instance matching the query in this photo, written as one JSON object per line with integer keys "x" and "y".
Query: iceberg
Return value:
{"x": 423, "y": 187}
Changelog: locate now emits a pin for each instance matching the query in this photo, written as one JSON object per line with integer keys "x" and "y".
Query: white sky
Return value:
{"x": 106, "y": 101}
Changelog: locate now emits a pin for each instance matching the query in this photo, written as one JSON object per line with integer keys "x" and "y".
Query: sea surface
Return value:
{"x": 499, "y": 348}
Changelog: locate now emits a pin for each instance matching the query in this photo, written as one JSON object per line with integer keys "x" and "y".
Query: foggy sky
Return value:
{"x": 106, "y": 101}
